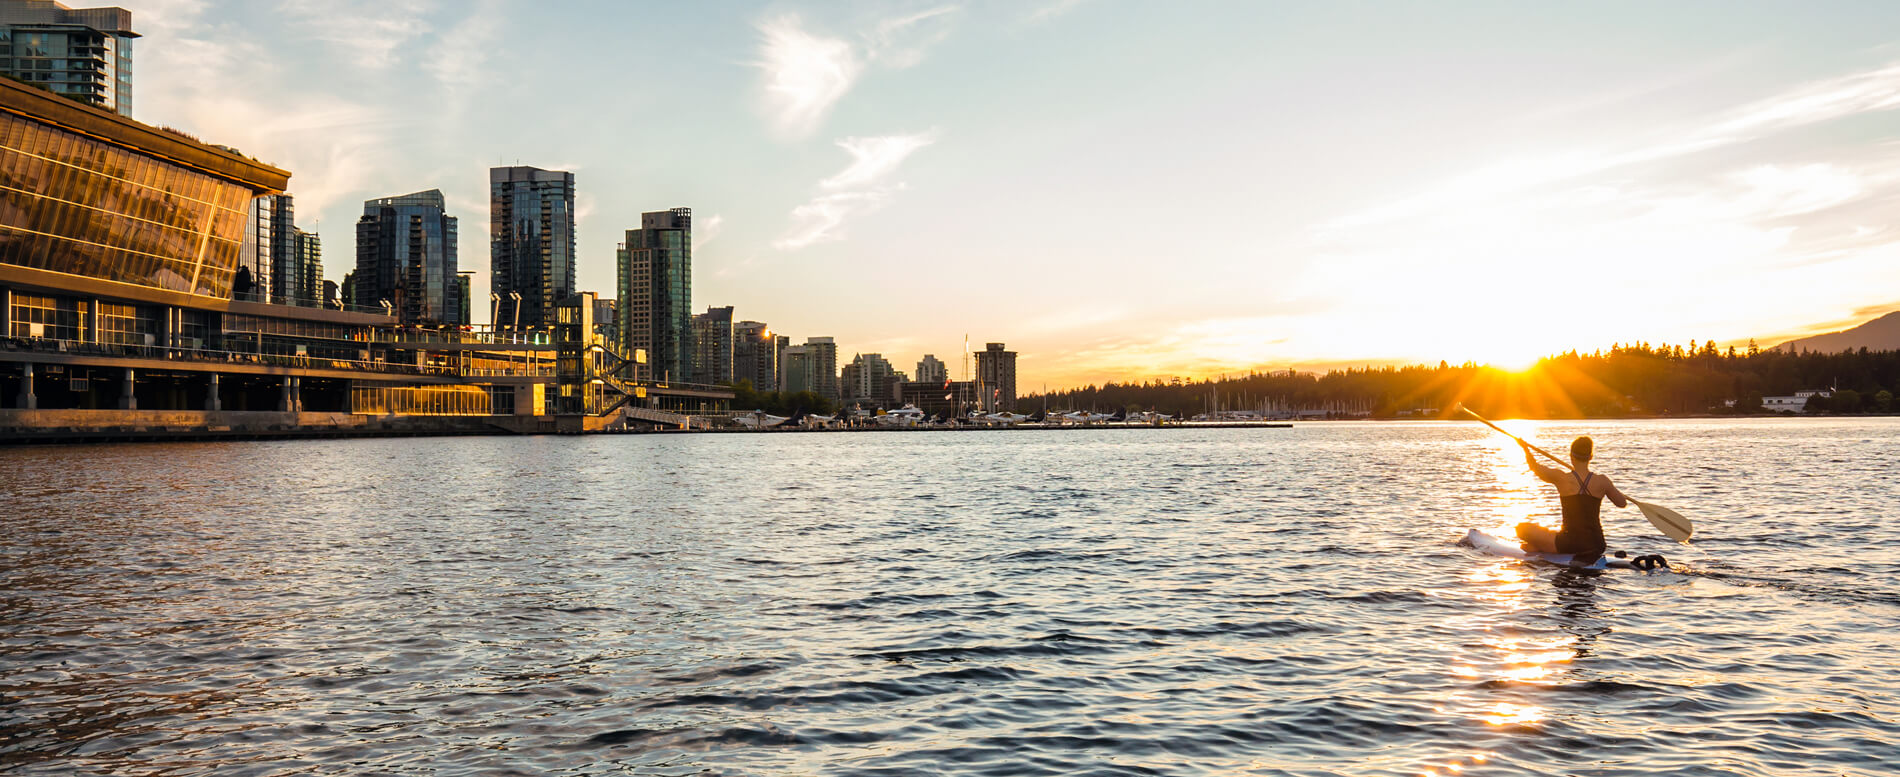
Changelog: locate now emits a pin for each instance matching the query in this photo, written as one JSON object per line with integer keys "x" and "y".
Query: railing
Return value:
{"x": 83, "y": 348}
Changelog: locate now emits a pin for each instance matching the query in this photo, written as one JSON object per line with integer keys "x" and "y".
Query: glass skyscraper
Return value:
{"x": 85, "y": 53}
{"x": 656, "y": 294}
{"x": 713, "y": 345}
{"x": 531, "y": 243}
{"x": 406, "y": 255}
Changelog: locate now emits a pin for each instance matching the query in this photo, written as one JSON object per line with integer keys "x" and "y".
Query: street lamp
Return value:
{"x": 517, "y": 298}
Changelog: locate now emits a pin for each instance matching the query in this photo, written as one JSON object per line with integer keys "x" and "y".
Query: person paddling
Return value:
{"x": 1581, "y": 492}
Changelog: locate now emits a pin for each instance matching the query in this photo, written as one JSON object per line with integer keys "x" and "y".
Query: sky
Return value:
{"x": 1117, "y": 190}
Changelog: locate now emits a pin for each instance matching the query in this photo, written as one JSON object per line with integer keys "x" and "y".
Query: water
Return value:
{"x": 1176, "y": 602}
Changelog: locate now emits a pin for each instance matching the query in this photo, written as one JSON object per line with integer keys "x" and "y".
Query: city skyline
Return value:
{"x": 1250, "y": 187}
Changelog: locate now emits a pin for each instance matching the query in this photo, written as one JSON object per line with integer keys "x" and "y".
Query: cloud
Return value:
{"x": 368, "y": 32}
{"x": 901, "y": 41}
{"x": 1820, "y": 101}
{"x": 457, "y": 57}
{"x": 818, "y": 221}
{"x": 705, "y": 230}
{"x": 805, "y": 74}
{"x": 874, "y": 158}
{"x": 1051, "y": 10}
{"x": 853, "y": 191}
{"x": 1817, "y": 101}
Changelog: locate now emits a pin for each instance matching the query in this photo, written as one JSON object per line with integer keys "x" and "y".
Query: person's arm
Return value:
{"x": 1542, "y": 472}
{"x": 1616, "y": 497}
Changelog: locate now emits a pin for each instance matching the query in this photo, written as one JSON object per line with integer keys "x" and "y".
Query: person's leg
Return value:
{"x": 1537, "y": 539}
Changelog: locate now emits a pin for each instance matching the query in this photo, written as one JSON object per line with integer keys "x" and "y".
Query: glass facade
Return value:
{"x": 531, "y": 248}
{"x": 91, "y": 65}
{"x": 406, "y": 255}
{"x": 75, "y": 205}
{"x": 390, "y": 399}
{"x": 54, "y": 318}
{"x": 655, "y": 277}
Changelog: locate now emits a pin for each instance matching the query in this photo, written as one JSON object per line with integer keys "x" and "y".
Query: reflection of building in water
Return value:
{"x": 120, "y": 261}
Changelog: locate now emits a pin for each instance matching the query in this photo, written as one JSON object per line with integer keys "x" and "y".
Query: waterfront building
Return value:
{"x": 755, "y": 355}
{"x": 795, "y": 370}
{"x": 531, "y": 243}
{"x": 930, "y": 369}
{"x": 821, "y": 354}
{"x": 121, "y": 249}
{"x": 305, "y": 280}
{"x": 406, "y": 256}
{"x": 81, "y": 53}
{"x": 655, "y": 277}
{"x": 780, "y": 344}
{"x": 996, "y": 371}
{"x": 607, "y": 320}
{"x": 713, "y": 345}
{"x": 867, "y": 380}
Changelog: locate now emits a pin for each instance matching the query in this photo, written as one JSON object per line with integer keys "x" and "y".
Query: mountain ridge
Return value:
{"x": 1880, "y": 334}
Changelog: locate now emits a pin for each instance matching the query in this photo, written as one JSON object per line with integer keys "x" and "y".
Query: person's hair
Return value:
{"x": 1582, "y": 448}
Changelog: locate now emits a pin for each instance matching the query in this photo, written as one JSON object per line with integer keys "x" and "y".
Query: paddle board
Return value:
{"x": 1496, "y": 546}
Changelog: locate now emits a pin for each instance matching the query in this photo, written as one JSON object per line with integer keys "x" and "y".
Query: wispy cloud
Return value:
{"x": 1812, "y": 103}
{"x": 858, "y": 189}
{"x": 901, "y": 41}
{"x": 805, "y": 74}
{"x": 819, "y": 220}
{"x": 705, "y": 230}
{"x": 1051, "y": 10}
{"x": 874, "y": 158}
{"x": 459, "y": 52}
{"x": 367, "y": 32}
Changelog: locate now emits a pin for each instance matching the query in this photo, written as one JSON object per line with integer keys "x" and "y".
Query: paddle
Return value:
{"x": 1665, "y": 520}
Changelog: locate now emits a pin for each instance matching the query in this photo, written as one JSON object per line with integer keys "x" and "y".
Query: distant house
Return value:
{"x": 1794, "y": 404}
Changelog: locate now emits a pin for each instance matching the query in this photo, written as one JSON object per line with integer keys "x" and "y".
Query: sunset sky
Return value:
{"x": 1118, "y": 190}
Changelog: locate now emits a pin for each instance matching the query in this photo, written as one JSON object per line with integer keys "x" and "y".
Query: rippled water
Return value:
{"x": 1179, "y": 602}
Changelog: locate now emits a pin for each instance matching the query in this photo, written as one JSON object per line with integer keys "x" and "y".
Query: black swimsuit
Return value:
{"x": 1582, "y": 532}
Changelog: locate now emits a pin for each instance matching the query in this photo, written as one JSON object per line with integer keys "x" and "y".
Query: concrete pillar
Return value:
{"x": 6, "y": 312}
{"x": 288, "y": 403}
{"x": 168, "y": 325}
{"x": 92, "y": 323}
{"x": 28, "y": 400}
{"x": 296, "y": 395}
{"x": 128, "y": 397}
{"x": 212, "y": 402}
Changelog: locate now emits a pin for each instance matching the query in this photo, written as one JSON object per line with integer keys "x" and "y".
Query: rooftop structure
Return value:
{"x": 81, "y": 53}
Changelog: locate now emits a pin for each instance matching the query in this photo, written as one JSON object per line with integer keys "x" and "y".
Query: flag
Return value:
{"x": 946, "y": 397}
{"x": 946, "y": 384}
{"x": 994, "y": 393}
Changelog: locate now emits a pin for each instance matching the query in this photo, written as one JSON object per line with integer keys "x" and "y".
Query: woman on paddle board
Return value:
{"x": 1581, "y": 492}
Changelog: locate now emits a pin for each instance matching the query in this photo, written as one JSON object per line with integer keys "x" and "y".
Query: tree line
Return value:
{"x": 1627, "y": 380}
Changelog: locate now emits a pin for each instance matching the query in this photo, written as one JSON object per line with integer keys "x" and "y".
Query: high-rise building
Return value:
{"x": 996, "y": 373}
{"x": 780, "y": 344}
{"x": 531, "y": 243}
{"x": 755, "y": 355}
{"x": 869, "y": 373}
{"x": 930, "y": 370}
{"x": 655, "y": 277}
{"x": 821, "y": 354}
{"x": 607, "y": 320}
{"x": 406, "y": 255}
{"x": 84, "y": 53}
{"x": 281, "y": 273}
{"x": 268, "y": 246}
{"x": 712, "y": 345}
{"x": 794, "y": 370}
{"x": 307, "y": 268}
